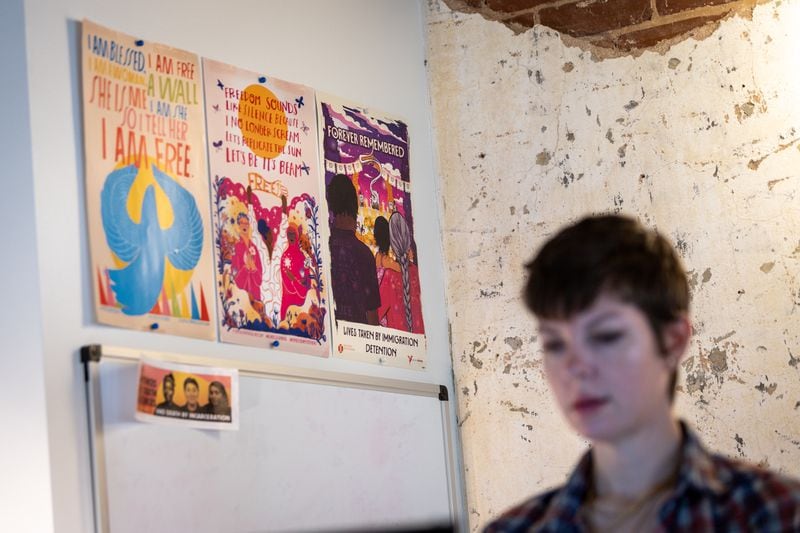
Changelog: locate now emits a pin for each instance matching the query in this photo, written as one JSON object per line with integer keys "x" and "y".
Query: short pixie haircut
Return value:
{"x": 608, "y": 254}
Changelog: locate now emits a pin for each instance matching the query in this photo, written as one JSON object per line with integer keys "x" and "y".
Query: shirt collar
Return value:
{"x": 697, "y": 471}
{"x": 567, "y": 501}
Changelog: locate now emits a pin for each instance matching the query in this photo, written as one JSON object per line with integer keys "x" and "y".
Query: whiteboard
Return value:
{"x": 307, "y": 457}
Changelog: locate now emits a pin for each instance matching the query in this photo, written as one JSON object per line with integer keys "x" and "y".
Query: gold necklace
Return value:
{"x": 637, "y": 504}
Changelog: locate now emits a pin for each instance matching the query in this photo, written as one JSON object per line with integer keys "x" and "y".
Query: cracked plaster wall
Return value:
{"x": 700, "y": 142}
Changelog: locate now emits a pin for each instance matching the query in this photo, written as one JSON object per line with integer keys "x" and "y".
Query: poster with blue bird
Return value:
{"x": 146, "y": 185}
{"x": 270, "y": 222}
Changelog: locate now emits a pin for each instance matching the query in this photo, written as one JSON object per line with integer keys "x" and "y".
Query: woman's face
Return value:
{"x": 244, "y": 226}
{"x": 215, "y": 395}
{"x": 191, "y": 393}
{"x": 169, "y": 389}
{"x": 605, "y": 370}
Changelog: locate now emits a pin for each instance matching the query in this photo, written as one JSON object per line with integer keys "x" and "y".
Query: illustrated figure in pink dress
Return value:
{"x": 295, "y": 265}
{"x": 399, "y": 280}
{"x": 246, "y": 263}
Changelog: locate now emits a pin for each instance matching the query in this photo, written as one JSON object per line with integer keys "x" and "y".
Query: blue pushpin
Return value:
{"x": 275, "y": 344}
{"x": 262, "y": 79}
{"x": 139, "y": 42}
{"x": 154, "y": 326}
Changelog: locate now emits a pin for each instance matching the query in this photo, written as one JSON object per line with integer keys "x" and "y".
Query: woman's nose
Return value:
{"x": 580, "y": 363}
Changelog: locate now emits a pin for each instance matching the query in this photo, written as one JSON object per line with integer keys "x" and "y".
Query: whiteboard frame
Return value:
{"x": 95, "y": 353}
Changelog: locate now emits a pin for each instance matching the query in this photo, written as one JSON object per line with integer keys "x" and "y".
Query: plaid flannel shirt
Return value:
{"x": 713, "y": 493}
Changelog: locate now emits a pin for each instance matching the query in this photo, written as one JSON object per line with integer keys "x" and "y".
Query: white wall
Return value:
{"x": 369, "y": 52}
{"x": 25, "y": 490}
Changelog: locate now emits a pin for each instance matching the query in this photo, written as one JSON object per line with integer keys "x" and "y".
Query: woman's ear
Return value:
{"x": 676, "y": 339}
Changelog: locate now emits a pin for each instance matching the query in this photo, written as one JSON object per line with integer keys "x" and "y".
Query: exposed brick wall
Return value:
{"x": 612, "y": 27}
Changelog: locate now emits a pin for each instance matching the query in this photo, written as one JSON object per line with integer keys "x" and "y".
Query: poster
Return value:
{"x": 146, "y": 185}
{"x": 269, "y": 230}
{"x": 375, "y": 286}
{"x": 188, "y": 395}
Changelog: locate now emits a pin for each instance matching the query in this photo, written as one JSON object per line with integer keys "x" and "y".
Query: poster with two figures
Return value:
{"x": 210, "y": 207}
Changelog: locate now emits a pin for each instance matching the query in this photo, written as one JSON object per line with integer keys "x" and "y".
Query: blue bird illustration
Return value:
{"x": 146, "y": 246}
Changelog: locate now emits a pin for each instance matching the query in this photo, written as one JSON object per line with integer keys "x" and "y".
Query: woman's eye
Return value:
{"x": 552, "y": 346}
{"x": 606, "y": 337}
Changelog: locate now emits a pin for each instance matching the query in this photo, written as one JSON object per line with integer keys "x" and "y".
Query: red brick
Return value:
{"x": 464, "y": 6}
{"x": 502, "y": 7}
{"x": 525, "y": 20}
{"x": 653, "y": 36}
{"x": 668, "y": 7}
{"x": 590, "y": 18}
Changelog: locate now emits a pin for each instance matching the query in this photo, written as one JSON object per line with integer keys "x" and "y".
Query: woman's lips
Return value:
{"x": 587, "y": 404}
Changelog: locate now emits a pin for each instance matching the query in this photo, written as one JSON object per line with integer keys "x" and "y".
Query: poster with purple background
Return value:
{"x": 374, "y": 265}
